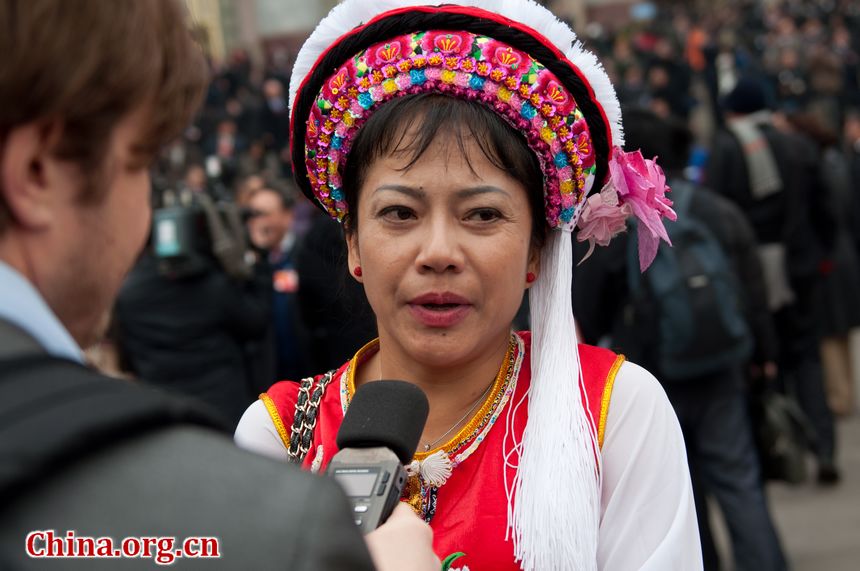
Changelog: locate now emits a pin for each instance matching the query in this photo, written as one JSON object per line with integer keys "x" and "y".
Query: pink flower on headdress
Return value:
{"x": 315, "y": 124}
{"x": 447, "y": 43}
{"x": 585, "y": 149}
{"x": 389, "y": 52}
{"x": 641, "y": 184}
{"x": 555, "y": 93}
{"x": 603, "y": 217}
{"x": 337, "y": 85}
{"x": 503, "y": 56}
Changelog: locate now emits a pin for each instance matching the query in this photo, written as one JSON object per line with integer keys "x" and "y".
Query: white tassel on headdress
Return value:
{"x": 556, "y": 512}
{"x": 351, "y": 13}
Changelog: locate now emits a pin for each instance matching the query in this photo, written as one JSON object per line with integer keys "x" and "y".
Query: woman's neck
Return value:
{"x": 451, "y": 389}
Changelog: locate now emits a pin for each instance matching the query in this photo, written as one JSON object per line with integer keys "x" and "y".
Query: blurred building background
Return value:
{"x": 276, "y": 28}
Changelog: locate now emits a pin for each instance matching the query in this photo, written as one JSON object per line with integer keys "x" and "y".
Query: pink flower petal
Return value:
{"x": 641, "y": 184}
{"x": 648, "y": 245}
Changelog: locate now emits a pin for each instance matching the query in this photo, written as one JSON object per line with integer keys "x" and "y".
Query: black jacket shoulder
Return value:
{"x": 185, "y": 482}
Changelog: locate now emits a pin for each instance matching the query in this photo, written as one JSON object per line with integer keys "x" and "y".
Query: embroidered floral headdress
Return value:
{"x": 520, "y": 61}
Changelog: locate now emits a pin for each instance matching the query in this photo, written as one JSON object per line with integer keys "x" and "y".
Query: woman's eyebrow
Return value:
{"x": 482, "y": 189}
{"x": 418, "y": 193}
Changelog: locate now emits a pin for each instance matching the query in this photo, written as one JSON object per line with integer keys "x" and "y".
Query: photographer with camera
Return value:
{"x": 191, "y": 305}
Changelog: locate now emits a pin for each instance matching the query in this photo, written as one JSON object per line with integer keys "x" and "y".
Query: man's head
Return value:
{"x": 747, "y": 97}
{"x": 272, "y": 88}
{"x": 227, "y": 127}
{"x": 273, "y": 217}
{"x": 657, "y": 136}
{"x": 195, "y": 178}
{"x": 89, "y": 90}
{"x": 851, "y": 129}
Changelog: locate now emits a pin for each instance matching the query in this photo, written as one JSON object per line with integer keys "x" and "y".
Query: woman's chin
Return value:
{"x": 441, "y": 347}
{"x": 446, "y": 347}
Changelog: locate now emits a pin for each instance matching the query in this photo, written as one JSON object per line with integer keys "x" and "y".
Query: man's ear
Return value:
{"x": 353, "y": 254}
{"x": 29, "y": 173}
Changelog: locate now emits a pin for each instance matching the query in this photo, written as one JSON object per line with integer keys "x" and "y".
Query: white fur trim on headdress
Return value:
{"x": 351, "y": 13}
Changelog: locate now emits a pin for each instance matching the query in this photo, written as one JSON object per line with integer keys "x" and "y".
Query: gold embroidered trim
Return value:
{"x": 359, "y": 358}
{"x": 607, "y": 394}
{"x": 276, "y": 418}
{"x": 477, "y": 418}
{"x": 412, "y": 495}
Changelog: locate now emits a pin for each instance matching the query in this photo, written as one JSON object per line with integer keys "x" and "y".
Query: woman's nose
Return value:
{"x": 440, "y": 249}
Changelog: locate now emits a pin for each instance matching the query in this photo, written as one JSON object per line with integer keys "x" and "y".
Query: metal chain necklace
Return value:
{"x": 464, "y": 417}
{"x": 456, "y": 424}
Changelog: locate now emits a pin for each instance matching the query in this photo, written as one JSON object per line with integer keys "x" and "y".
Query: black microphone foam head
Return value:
{"x": 385, "y": 413}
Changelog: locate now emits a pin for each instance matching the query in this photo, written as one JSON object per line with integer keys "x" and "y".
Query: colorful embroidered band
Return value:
{"x": 470, "y": 66}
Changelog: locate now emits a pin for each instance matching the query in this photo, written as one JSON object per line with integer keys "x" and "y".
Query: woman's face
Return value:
{"x": 444, "y": 251}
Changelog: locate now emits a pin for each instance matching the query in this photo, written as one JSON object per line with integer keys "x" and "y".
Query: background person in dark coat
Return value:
{"x": 838, "y": 300}
{"x": 187, "y": 334}
{"x": 852, "y": 148}
{"x": 774, "y": 177}
{"x": 271, "y": 230}
{"x": 711, "y": 406}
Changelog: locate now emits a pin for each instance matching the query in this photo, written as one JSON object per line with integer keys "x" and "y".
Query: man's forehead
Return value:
{"x": 267, "y": 199}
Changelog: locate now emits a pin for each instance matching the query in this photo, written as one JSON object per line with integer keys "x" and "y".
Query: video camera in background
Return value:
{"x": 191, "y": 231}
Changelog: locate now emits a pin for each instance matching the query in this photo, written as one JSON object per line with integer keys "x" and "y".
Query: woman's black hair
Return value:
{"x": 411, "y": 123}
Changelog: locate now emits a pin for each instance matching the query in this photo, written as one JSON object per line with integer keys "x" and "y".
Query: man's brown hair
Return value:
{"x": 84, "y": 65}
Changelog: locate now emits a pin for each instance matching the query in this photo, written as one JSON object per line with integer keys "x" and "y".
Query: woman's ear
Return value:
{"x": 533, "y": 265}
{"x": 353, "y": 254}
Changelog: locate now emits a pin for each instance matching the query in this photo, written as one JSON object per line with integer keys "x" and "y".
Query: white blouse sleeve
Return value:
{"x": 648, "y": 518}
{"x": 256, "y": 432}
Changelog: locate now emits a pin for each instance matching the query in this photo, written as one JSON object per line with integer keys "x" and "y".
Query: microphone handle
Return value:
{"x": 372, "y": 479}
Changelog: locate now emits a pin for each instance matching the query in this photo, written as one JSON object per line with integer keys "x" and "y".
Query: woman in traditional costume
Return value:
{"x": 457, "y": 144}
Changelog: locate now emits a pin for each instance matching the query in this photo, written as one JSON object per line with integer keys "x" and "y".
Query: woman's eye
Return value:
{"x": 484, "y": 215}
{"x": 397, "y": 213}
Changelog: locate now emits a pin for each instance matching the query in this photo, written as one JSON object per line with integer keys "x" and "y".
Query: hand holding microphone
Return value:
{"x": 403, "y": 542}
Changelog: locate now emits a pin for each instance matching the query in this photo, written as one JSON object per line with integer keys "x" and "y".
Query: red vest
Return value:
{"x": 471, "y": 507}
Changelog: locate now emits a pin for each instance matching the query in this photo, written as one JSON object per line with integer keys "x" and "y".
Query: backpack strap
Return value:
{"x": 55, "y": 411}
{"x": 682, "y": 196}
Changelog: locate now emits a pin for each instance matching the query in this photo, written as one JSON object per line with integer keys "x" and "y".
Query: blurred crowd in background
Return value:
{"x": 244, "y": 281}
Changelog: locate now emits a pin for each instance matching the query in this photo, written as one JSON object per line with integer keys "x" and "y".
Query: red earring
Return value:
{"x": 530, "y": 277}
{"x": 357, "y": 271}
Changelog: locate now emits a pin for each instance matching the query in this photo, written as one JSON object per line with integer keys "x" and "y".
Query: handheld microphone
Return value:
{"x": 379, "y": 434}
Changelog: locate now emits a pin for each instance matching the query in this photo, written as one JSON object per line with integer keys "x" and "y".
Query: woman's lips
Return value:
{"x": 440, "y": 315}
{"x": 440, "y": 309}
